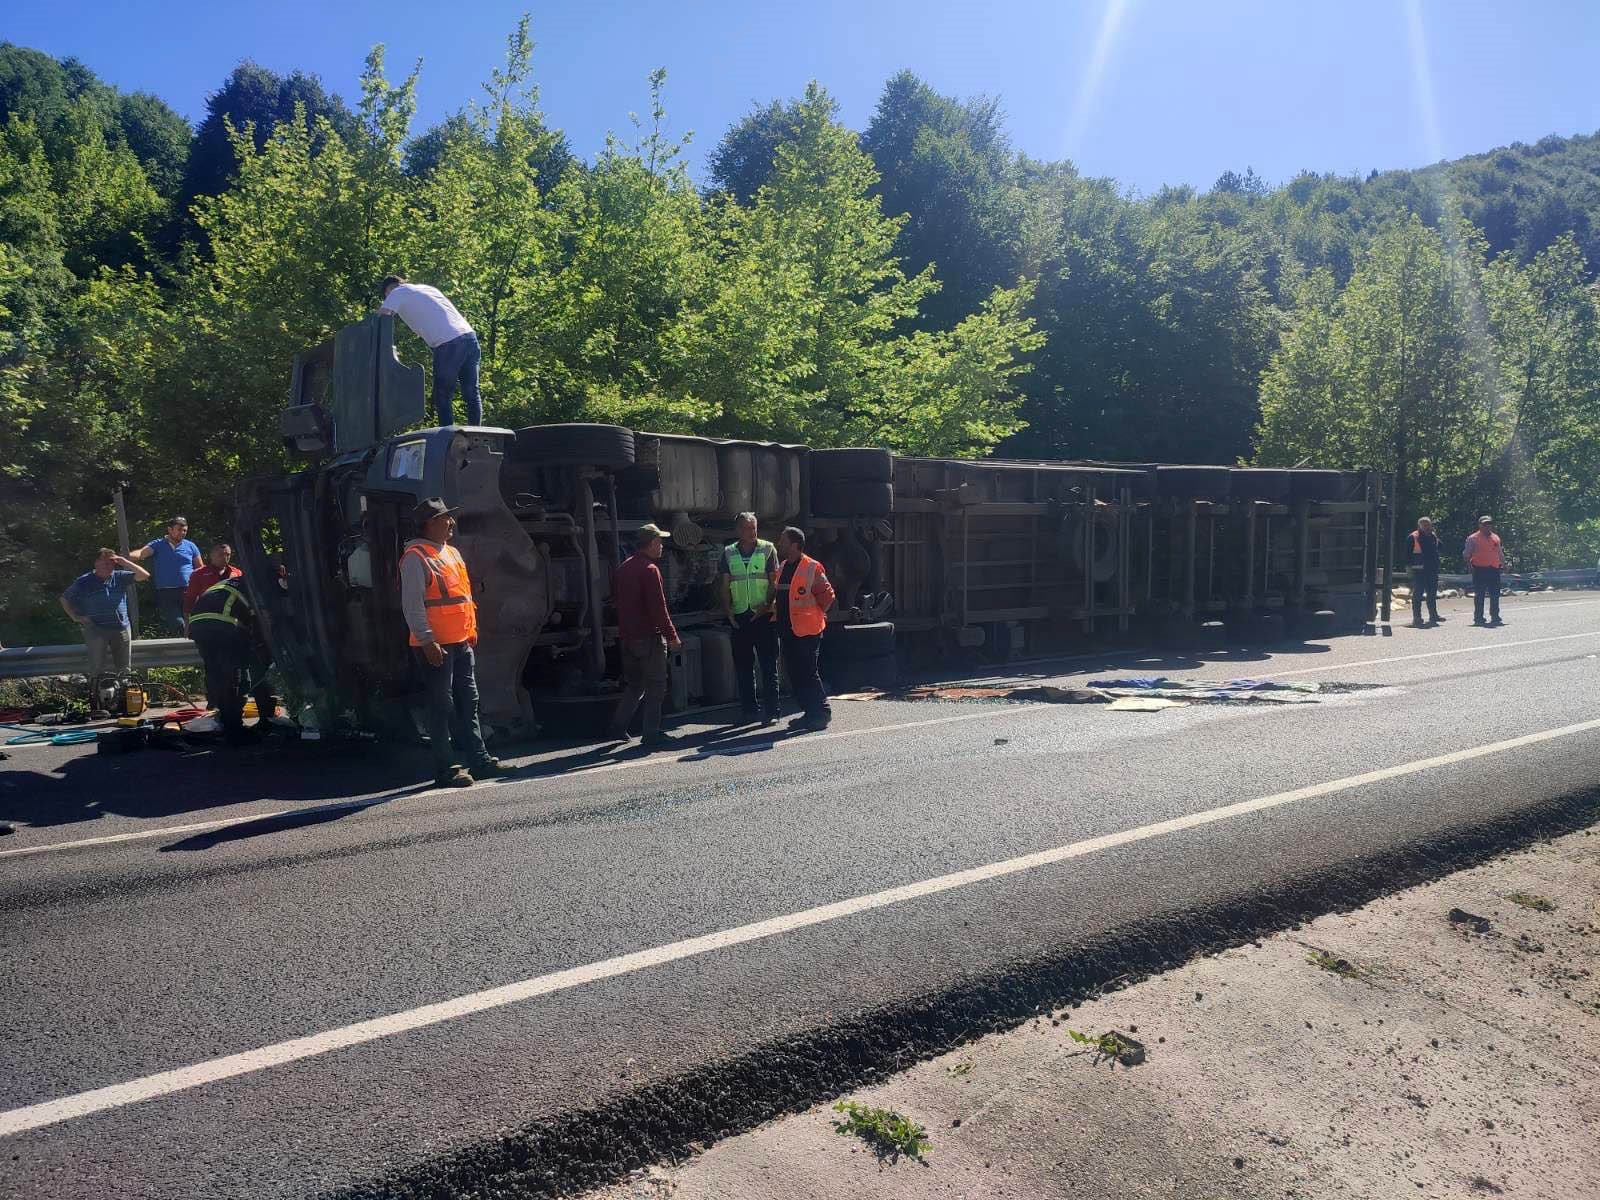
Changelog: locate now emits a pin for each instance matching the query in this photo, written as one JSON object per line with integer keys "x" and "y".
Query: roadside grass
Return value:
{"x": 1537, "y": 903}
{"x": 890, "y": 1134}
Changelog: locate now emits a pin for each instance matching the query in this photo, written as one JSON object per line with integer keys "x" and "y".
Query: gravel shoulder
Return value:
{"x": 1403, "y": 1049}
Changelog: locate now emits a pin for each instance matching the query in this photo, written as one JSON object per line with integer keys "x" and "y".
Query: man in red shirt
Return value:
{"x": 219, "y": 568}
{"x": 644, "y": 632}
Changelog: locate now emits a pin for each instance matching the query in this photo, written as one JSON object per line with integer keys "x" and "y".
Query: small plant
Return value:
{"x": 1342, "y": 967}
{"x": 1111, "y": 1044}
{"x": 1537, "y": 903}
{"x": 889, "y": 1133}
{"x": 959, "y": 1070}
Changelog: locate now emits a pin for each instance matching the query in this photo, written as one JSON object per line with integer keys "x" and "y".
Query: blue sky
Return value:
{"x": 1145, "y": 91}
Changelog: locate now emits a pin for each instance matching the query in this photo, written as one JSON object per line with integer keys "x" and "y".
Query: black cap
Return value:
{"x": 430, "y": 508}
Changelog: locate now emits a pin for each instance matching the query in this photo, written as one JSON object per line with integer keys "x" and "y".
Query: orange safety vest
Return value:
{"x": 810, "y": 593}
{"x": 1484, "y": 551}
{"x": 447, "y": 595}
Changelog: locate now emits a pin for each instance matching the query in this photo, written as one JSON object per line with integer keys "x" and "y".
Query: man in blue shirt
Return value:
{"x": 98, "y": 601}
{"x": 176, "y": 558}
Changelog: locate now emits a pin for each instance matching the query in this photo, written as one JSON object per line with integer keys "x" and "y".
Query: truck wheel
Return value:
{"x": 1094, "y": 545}
{"x": 853, "y": 499}
{"x": 852, "y": 464}
{"x": 574, "y": 445}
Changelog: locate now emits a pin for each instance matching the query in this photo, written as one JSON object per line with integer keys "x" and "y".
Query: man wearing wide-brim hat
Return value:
{"x": 436, "y": 596}
{"x": 644, "y": 632}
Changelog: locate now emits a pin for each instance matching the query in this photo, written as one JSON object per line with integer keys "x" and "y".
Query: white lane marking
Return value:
{"x": 695, "y": 755}
{"x": 1380, "y": 662}
{"x": 82, "y": 1104}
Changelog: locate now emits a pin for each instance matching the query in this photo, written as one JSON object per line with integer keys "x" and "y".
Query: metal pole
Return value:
{"x": 1388, "y": 549}
{"x": 1089, "y": 523}
{"x": 597, "y": 628}
{"x": 1189, "y": 573}
{"x": 122, "y": 548}
{"x": 1369, "y": 534}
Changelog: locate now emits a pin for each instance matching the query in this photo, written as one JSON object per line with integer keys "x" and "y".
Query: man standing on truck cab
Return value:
{"x": 644, "y": 633}
{"x": 436, "y": 596}
{"x": 804, "y": 597}
{"x": 176, "y": 558}
{"x": 748, "y": 576}
{"x": 454, "y": 344}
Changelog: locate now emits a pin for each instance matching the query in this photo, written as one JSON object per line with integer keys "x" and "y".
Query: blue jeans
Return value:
{"x": 169, "y": 602}
{"x": 457, "y": 362}
{"x": 453, "y": 706}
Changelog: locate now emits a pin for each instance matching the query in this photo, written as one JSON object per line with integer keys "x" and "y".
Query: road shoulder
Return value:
{"x": 1403, "y": 1049}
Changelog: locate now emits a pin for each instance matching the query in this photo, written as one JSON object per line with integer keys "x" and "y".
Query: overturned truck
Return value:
{"x": 1000, "y": 558}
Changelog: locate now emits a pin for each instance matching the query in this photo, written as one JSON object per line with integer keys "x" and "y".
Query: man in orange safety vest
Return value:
{"x": 803, "y": 597}
{"x": 436, "y": 596}
{"x": 1485, "y": 560}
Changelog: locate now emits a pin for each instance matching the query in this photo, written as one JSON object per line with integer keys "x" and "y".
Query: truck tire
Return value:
{"x": 1094, "y": 545}
{"x": 574, "y": 445}
{"x": 1193, "y": 483}
{"x": 1316, "y": 486}
{"x": 868, "y": 639}
{"x": 1259, "y": 483}
{"x": 852, "y": 499}
{"x": 851, "y": 464}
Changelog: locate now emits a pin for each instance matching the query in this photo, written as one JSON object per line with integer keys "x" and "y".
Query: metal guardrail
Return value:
{"x": 30, "y": 662}
{"x": 1581, "y": 577}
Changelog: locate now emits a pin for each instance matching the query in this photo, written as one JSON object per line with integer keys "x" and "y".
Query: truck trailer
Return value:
{"x": 997, "y": 558}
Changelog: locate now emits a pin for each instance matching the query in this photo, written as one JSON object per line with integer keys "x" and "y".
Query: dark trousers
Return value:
{"x": 800, "y": 660}
{"x": 169, "y": 603}
{"x": 1424, "y": 584}
{"x": 232, "y": 669}
{"x": 644, "y": 677}
{"x": 1485, "y": 582}
{"x": 453, "y": 706}
{"x": 457, "y": 362}
{"x": 755, "y": 639}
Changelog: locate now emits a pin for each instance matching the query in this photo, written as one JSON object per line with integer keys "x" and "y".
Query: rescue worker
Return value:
{"x": 804, "y": 597}
{"x": 436, "y": 596}
{"x": 1424, "y": 573}
{"x": 456, "y": 354}
{"x": 223, "y": 624}
{"x": 644, "y": 633}
{"x": 748, "y": 576}
{"x": 1485, "y": 560}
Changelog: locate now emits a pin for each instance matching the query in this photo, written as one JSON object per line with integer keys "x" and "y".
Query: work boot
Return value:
{"x": 489, "y": 766}
{"x": 456, "y": 777}
{"x": 658, "y": 741}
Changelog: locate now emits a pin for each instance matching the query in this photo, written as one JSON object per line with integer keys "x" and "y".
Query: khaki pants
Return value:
{"x": 644, "y": 677}
{"x": 109, "y": 650}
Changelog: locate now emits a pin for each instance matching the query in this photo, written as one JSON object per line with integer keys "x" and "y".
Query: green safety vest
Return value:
{"x": 235, "y": 596}
{"x": 748, "y": 576}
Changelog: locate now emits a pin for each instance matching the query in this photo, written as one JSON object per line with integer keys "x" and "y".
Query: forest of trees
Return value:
{"x": 919, "y": 284}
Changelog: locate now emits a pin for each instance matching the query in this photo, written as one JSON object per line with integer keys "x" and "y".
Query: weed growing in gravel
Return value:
{"x": 1342, "y": 967}
{"x": 1111, "y": 1044}
{"x": 1537, "y": 903}
{"x": 889, "y": 1133}
{"x": 959, "y": 1070}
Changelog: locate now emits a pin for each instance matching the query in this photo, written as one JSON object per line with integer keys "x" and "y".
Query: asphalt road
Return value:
{"x": 300, "y": 915}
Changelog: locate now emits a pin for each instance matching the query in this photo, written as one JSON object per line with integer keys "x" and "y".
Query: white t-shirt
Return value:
{"x": 431, "y": 317}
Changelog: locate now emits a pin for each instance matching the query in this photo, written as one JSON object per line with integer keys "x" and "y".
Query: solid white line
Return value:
{"x": 67, "y": 1108}
{"x": 1380, "y": 662}
{"x": 142, "y": 833}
